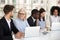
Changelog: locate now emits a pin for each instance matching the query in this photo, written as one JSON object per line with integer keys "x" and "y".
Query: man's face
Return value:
{"x": 11, "y": 14}
{"x": 36, "y": 16}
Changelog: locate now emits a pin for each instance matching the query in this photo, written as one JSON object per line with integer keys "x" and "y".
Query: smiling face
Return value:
{"x": 43, "y": 14}
{"x": 22, "y": 15}
{"x": 55, "y": 12}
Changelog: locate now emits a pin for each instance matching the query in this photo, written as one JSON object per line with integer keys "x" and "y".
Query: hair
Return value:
{"x": 54, "y": 8}
{"x": 8, "y": 8}
{"x": 22, "y": 9}
{"x": 40, "y": 12}
{"x": 34, "y": 11}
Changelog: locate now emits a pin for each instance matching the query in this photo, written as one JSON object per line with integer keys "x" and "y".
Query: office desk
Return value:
{"x": 52, "y": 35}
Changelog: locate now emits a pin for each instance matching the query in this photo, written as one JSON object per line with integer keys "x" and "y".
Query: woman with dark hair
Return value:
{"x": 42, "y": 22}
{"x": 54, "y": 14}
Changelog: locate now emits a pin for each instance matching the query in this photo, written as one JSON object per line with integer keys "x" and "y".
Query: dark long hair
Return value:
{"x": 55, "y": 8}
{"x": 40, "y": 12}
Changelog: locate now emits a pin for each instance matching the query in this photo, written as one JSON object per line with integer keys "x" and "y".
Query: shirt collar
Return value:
{"x": 8, "y": 20}
{"x": 33, "y": 19}
{"x": 55, "y": 16}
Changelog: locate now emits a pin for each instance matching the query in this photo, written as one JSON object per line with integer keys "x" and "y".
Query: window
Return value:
{"x": 2, "y": 1}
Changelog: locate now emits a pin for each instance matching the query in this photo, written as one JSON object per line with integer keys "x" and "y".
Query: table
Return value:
{"x": 52, "y": 35}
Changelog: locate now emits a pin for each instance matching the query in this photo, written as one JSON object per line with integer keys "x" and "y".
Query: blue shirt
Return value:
{"x": 21, "y": 25}
{"x": 42, "y": 24}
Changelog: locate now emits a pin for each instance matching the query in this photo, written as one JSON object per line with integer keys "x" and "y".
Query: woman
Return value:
{"x": 42, "y": 22}
{"x": 54, "y": 14}
{"x": 21, "y": 22}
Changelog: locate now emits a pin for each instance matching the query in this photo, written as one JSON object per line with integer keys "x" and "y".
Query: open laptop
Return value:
{"x": 55, "y": 26}
{"x": 32, "y": 31}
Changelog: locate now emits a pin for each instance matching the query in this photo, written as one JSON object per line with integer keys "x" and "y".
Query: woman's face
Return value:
{"x": 55, "y": 12}
{"x": 22, "y": 15}
{"x": 43, "y": 14}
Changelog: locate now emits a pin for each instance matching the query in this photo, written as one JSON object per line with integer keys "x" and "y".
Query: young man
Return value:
{"x": 7, "y": 25}
{"x": 32, "y": 20}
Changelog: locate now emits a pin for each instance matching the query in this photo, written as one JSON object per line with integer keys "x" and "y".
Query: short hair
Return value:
{"x": 54, "y": 8}
{"x": 40, "y": 12}
{"x": 8, "y": 8}
{"x": 34, "y": 11}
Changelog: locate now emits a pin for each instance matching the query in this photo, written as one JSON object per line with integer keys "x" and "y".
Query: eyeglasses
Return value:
{"x": 22, "y": 13}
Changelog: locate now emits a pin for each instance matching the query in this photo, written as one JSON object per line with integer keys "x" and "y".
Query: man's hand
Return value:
{"x": 19, "y": 35}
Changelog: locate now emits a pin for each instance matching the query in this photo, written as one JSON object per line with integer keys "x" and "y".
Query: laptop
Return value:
{"x": 55, "y": 26}
{"x": 32, "y": 31}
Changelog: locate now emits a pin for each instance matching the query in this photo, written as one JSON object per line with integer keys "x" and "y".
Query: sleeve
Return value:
{"x": 16, "y": 23}
{"x": 30, "y": 22}
{"x": 2, "y": 37}
{"x": 38, "y": 23}
{"x": 59, "y": 18}
{"x": 14, "y": 29}
{"x": 27, "y": 23}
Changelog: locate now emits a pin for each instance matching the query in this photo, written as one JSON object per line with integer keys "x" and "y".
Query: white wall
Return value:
{"x": 29, "y": 5}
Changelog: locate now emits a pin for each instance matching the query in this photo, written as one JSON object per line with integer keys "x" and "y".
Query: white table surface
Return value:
{"x": 52, "y": 35}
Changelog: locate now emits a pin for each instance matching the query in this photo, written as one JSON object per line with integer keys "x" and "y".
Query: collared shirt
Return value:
{"x": 42, "y": 24}
{"x": 21, "y": 25}
{"x": 8, "y": 21}
{"x": 33, "y": 19}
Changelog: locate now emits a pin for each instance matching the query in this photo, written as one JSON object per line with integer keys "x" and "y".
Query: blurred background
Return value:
{"x": 28, "y": 5}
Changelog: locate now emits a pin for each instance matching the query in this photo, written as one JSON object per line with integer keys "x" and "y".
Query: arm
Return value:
{"x": 27, "y": 23}
{"x": 49, "y": 25}
{"x": 16, "y": 31}
{"x": 2, "y": 37}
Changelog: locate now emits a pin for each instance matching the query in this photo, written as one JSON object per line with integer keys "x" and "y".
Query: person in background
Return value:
{"x": 21, "y": 22}
{"x": 7, "y": 25}
{"x": 32, "y": 20}
{"x": 42, "y": 22}
{"x": 55, "y": 17}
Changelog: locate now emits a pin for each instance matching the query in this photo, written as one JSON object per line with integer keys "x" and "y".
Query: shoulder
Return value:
{"x": 51, "y": 16}
{"x": 2, "y": 19}
{"x": 15, "y": 20}
{"x": 30, "y": 18}
{"x": 25, "y": 20}
{"x": 58, "y": 16}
